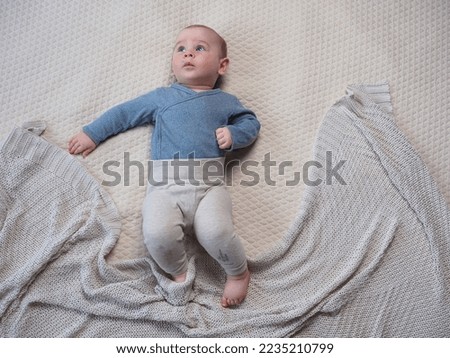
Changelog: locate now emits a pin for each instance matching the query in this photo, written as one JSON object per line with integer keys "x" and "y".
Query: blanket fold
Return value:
{"x": 367, "y": 255}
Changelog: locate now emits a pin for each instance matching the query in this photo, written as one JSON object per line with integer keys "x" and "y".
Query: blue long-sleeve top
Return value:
{"x": 184, "y": 122}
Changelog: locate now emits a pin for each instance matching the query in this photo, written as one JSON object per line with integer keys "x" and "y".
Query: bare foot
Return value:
{"x": 180, "y": 278}
{"x": 235, "y": 289}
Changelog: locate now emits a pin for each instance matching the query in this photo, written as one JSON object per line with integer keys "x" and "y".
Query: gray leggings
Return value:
{"x": 185, "y": 198}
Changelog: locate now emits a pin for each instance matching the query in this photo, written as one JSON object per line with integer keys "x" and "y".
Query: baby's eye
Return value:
{"x": 181, "y": 49}
{"x": 200, "y": 48}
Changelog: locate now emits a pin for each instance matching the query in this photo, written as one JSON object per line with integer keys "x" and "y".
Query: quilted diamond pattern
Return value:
{"x": 66, "y": 62}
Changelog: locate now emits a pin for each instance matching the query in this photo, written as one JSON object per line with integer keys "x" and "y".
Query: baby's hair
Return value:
{"x": 223, "y": 44}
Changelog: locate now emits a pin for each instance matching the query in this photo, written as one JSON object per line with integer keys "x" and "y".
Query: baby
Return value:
{"x": 192, "y": 119}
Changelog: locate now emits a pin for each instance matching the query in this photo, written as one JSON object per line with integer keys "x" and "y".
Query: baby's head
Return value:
{"x": 199, "y": 57}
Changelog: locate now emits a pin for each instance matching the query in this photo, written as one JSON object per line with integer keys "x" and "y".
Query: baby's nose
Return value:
{"x": 188, "y": 54}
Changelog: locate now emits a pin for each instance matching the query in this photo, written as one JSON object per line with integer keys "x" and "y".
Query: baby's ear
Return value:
{"x": 223, "y": 66}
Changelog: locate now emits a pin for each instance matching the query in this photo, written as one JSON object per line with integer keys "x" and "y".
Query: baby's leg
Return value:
{"x": 214, "y": 229}
{"x": 163, "y": 229}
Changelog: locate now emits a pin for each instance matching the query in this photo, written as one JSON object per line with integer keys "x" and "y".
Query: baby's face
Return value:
{"x": 197, "y": 60}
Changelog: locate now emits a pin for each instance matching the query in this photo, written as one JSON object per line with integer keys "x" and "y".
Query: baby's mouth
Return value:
{"x": 188, "y": 64}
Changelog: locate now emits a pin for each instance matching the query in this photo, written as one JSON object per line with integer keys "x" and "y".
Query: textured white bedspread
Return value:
{"x": 65, "y": 62}
{"x": 366, "y": 256}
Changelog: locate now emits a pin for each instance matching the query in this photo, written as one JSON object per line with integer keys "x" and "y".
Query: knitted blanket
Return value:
{"x": 367, "y": 255}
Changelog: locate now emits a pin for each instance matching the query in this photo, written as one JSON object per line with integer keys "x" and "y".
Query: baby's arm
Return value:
{"x": 120, "y": 118}
{"x": 243, "y": 127}
{"x": 81, "y": 143}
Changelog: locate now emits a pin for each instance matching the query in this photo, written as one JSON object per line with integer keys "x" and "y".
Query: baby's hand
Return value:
{"x": 81, "y": 143}
{"x": 223, "y": 136}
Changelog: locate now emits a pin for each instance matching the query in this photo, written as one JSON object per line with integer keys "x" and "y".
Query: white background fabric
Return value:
{"x": 65, "y": 62}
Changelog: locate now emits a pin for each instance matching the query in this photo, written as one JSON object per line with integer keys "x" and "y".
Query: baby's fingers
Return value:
{"x": 72, "y": 144}
{"x": 77, "y": 147}
{"x": 86, "y": 152}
